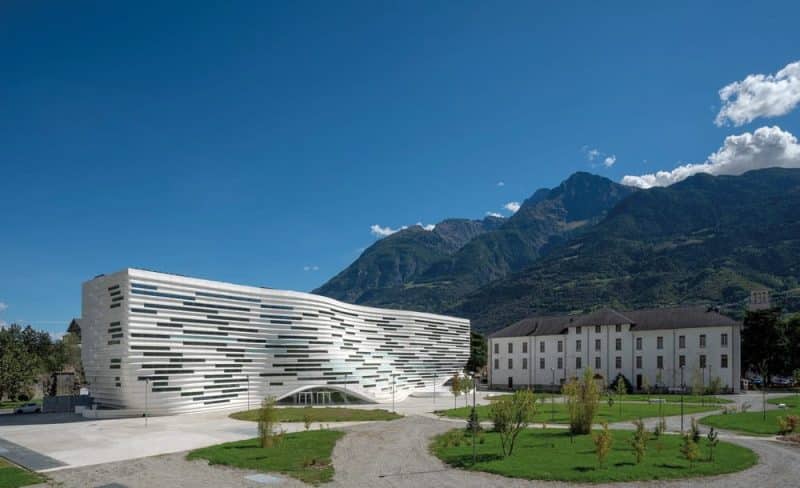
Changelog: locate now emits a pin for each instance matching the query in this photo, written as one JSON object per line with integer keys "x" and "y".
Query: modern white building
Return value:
{"x": 657, "y": 345}
{"x": 175, "y": 344}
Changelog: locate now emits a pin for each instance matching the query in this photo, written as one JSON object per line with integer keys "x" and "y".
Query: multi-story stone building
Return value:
{"x": 665, "y": 347}
{"x": 177, "y": 344}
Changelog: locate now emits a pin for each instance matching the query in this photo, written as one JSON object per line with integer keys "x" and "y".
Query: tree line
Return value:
{"x": 29, "y": 357}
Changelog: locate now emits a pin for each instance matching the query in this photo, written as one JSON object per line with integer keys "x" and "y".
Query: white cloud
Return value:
{"x": 494, "y": 214}
{"x": 3, "y": 306}
{"x": 765, "y": 147}
{"x": 511, "y": 206}
{"x": 591, "y": 153}
{"x": 609, "y": 161}
{"x": 501, "y": 183}
{"x": 379, "y": 231}
{"x": 760, "y": 95}
{"x": 311, "y": 268}
{"x": 57, "y": 336}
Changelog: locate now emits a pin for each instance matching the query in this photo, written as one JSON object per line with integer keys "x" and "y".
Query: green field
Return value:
{"x": 639, "y": 397}
{"x": 12, "y": 476}
{"x": 551, "y": 455}
{"x": 302, "y": 455}
{"x": 557, "y": 412}
{"x": 15, "y": 403}
{"x": 321, "y": 414}
{"x": 753, "y": 422}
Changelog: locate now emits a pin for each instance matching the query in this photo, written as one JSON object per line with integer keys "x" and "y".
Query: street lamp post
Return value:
{"x": 345, "y": 386}
{"x": 553, "y": 396}
{"x": 683, "y": 387}
{"x": 248, "y": 392}
{"x": 475, "y": 421}
{"x": 434, "y": 390}
{"x": 146, "y": 388}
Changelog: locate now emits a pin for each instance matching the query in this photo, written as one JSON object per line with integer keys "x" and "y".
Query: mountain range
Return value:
{"x": 592, "y": 242}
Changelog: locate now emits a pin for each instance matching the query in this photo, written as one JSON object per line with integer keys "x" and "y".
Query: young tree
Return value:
{"x": 583, "y": 400}
{"x": 646, "y": 386}
{"x": 455, "y": 388}
{"x": 511, "y": 415}
{"x": 695, "y": 431}
{"x": 466, "y": 384}
{"x": 266, "y": 422}
{"x": 621, "y": 390}
{"x": 602, "y": 443}
{"x": 698, "y": 385}
{"x": 689, "y": 450}
{"x": 712, "y": 442}
{"x": 639, "y": 441}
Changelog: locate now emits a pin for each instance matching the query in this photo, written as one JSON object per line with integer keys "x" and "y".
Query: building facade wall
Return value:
{"x": 602, "y": 356}
{"x": 177, "y": 344}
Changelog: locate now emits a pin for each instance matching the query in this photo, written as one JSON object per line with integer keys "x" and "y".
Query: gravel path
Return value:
{"x": 169, "y": 470}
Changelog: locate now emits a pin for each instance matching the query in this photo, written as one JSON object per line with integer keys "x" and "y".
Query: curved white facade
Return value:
{"x": 175, "y": 344}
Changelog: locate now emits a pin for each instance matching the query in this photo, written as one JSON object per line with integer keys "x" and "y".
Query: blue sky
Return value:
{"x": 258, "y": 142}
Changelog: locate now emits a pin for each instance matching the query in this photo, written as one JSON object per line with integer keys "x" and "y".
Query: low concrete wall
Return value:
{"x": 62, "y": 404}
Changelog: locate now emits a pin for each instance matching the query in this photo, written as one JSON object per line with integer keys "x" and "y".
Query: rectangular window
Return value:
{"x": 618, "y": 327}
{"x": 597, "y": 344}
{"x": 510, "y": 363}
{"x": 638, "y": 343}
{"x": 618, "y": 344}
{"x": 702, "y": 340}
{"x": 578, "y": 330}
{"x": 723, "y": 361}
{"x": 724, "y": 339}
{"x": 578, "y": 345}
{"x": 560, "y": 346}
{"x": 560, "y": 363}
{"x": 597, "y": 329}
{"x": 524, "y": 363}
{"x": 510, "y": 347}
{"x": 496, "y": 363}
{"x": 496, "y": 348}
{"x": 681, "y": 342}
{"x": 638, "y": 362}
{"x": 597, "y": 362}
{"x": 618, "y": 362}
{"x": 541, "y": 346}
{"x": 681, "y": 361}
{"x": 525, "y": 347}
{"x": 702, "y": 361}
{"x": 541, "y": 363}
{"x": 659, "y": 342}
{"x": 660, "y": 362}
{"x": 578, "y": 364}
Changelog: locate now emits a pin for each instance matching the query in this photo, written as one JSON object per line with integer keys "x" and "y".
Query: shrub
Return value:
{"x": 639, "y": 441}
{"x": 603, "y": 442}
{"x": 695, "y": 431}
{"x": 583, "y": 400}
{"x": 473, "y": 423}
{"x": 511, "y": 415}
{"x": 307, "y": 420}
{"x": 712, "y": 442}
{"x": 714, "y": 386}
{"x": 788, "y": 424}
{"x": 266, "y": 422}
{"x": 625, "y": 381}
{"x": 689, "y": 450}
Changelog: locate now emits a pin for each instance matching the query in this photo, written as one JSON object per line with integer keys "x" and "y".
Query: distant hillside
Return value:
{"x": 403, "y": 256}
{"x": 706, "y": 239}
{"x": 432, "y": 270}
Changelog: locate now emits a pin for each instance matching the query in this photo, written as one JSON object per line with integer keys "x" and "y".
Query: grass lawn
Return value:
{"x": 753, "y": 422}
{"x": 549, "y": 455}
{"x": 16, "y": 403}
{"x": 302, "y": 455}
{"x": 640, "y": 397}
{"x": 322, "y": 414}
{"x": 630, "y": 411}
{"x": 11, "y": 476}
